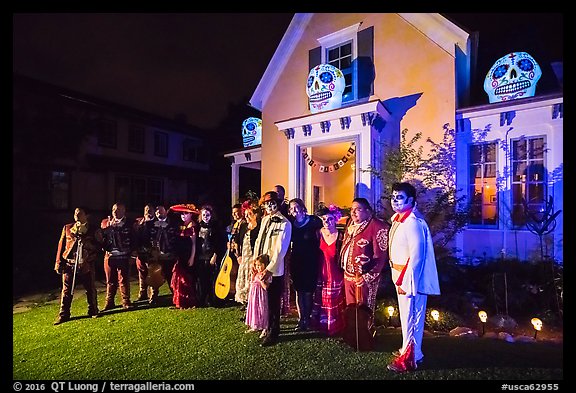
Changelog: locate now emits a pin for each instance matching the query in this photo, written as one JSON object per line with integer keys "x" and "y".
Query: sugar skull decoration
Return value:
{"x": 512, "y": 76}
{"x": 324, "y": 87}
{"x": 252, "y": 131}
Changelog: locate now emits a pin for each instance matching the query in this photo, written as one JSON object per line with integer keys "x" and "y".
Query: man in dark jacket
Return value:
{"x": 75, "y": 260}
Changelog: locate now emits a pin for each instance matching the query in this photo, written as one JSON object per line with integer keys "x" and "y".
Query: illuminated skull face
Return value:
{"x": 536, "y": 323}
{"x": 512, "y": 76}
{"x": 325, "y": 87}
{"x": 252, "y": 131}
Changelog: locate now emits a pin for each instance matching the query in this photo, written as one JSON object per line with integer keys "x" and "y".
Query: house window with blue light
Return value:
{"x": 528, "y": 176}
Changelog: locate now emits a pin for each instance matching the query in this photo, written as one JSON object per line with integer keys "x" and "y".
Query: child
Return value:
{"x": 257, "y": 310}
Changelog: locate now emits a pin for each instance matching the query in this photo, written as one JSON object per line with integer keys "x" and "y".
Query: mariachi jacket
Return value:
{"x": 68, "y": 247}
{"x": 368, "y": 250}
{"x": 118, "y": 239}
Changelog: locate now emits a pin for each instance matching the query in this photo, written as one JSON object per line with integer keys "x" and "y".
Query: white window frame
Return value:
{"x": 340, "y": 38}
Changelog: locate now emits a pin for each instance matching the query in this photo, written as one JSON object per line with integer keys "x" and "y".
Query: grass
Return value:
{"x": 157, "y": 343}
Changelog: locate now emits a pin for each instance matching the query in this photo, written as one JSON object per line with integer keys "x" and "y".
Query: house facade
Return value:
{"x": 71, "y": 149}
{"x": 403, "y": 72}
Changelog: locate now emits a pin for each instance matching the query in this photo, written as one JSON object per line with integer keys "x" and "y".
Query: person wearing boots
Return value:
{"x": 414, "y": 274}
{"x": 164, "y": 234}
{"x": 304, "y": 259}
{"x": 142, "y": 228}
{"x": 77, "y": 250}
{"x": 119, "y": 245}
{"x": 210, "y": 246}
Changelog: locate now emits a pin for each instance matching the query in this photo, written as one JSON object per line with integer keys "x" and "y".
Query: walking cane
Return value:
{"x": 76, "y": 262}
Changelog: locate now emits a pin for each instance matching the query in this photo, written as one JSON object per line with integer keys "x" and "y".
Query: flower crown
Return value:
{"x": 335, "y": 210}
{"x": 330, "y": 209}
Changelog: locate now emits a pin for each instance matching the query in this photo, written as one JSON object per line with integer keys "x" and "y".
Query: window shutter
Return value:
{"x": 365, "y": 62}
{"x": 314, "y": 57}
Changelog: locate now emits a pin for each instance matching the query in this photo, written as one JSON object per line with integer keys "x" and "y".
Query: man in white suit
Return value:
{"x": 413, "y": 268}
{"x": 274, "y": 241}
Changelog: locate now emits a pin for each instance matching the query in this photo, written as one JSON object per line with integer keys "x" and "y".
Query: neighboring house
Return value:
{"x": 72, "y": 149}
{"x": 402, "y": 71}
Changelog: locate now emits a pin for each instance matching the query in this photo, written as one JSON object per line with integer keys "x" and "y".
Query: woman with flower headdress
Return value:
{"x": 328, "y": 310}
{"x": 183, "y": 280}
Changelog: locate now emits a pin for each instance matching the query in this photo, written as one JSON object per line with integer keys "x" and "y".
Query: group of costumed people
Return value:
{"x": 275, "y": 244}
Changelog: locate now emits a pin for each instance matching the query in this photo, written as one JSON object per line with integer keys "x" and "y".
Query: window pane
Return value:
{"x": 519, "y": 171}
{"x": 519, "y": 150}
{"x": 346, "y": 62}
{"x": 490, "y": 151}
{"x": 346, "y": 50}
{"x": 59, "y": 187}
{"x": 536, "y": 172}
{"x": 517, "y": 193}
{"x": 536, "y": 193}
{"x": 490, "y": 170}
{"x": 537, "y": 148}
{"x": 333, "y": 54}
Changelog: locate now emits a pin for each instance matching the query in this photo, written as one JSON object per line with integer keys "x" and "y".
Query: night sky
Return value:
{"x": 196, "y": 64}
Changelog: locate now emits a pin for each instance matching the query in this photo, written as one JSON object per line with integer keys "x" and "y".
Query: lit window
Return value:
{"x": 528, "y": 177}
{"x": 482, "y": 184}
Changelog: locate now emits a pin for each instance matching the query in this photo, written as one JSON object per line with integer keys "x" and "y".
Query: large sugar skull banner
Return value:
{"x": 325, "y": 87}
{"x": 252, "y": 131}
{"x": 512, "y": 76}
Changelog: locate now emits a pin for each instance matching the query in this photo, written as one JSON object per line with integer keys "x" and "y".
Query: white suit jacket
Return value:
{"x": 411, "y": 243}
{"x": 274, "y": 240}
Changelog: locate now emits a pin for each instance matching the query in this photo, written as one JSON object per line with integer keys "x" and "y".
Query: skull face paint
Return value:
{"x": 512, "y": 76}
{"x": 270, "y": 207}
{"x": 400, "y": 202}
{"x": 324, "y": 87}
{"x": 252, "y": 131}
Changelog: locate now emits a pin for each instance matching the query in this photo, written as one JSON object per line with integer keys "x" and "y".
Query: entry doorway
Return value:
{"x": 328, "y": 174}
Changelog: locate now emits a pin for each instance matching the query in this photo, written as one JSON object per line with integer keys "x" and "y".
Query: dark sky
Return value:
{"x": 196, "y": 63}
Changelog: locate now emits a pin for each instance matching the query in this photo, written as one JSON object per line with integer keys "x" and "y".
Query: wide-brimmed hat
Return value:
{"x": 185, "y": 208}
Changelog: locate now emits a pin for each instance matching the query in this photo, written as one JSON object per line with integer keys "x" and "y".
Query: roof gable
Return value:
{"x": 434, "y": 26}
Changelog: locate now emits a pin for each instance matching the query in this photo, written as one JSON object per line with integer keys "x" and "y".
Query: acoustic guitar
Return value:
{"x": 224, "y": 285}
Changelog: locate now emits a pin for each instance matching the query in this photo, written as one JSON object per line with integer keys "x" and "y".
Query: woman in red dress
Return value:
{"x": 183, "y": 279}
{"x": 328, "y": 311}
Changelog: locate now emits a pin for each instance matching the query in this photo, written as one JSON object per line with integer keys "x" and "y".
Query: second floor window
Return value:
{"x": 60, "y": 189}
{"x": 107, "y": 133}
{"x": 160, "y": 144}
{"x": 137, "y": 191}
{"x": 193, "y": 151}
{"x": 341, "y": 58}
{"x": 528, "y": 177}
{"x": 136, "y": 141}
{"x": 482, "y": 184}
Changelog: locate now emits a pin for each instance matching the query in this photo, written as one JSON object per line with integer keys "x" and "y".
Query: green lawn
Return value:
{"x": 210, "y": 344}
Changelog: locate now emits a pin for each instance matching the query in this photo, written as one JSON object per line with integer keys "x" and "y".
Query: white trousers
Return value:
{"x": 412, "y": 310}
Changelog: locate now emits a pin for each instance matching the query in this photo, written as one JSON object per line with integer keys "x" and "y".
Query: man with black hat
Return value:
{"x": 274, "y": 241}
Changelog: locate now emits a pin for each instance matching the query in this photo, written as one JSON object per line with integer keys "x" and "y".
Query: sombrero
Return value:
{"x": 185, "y": 208}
